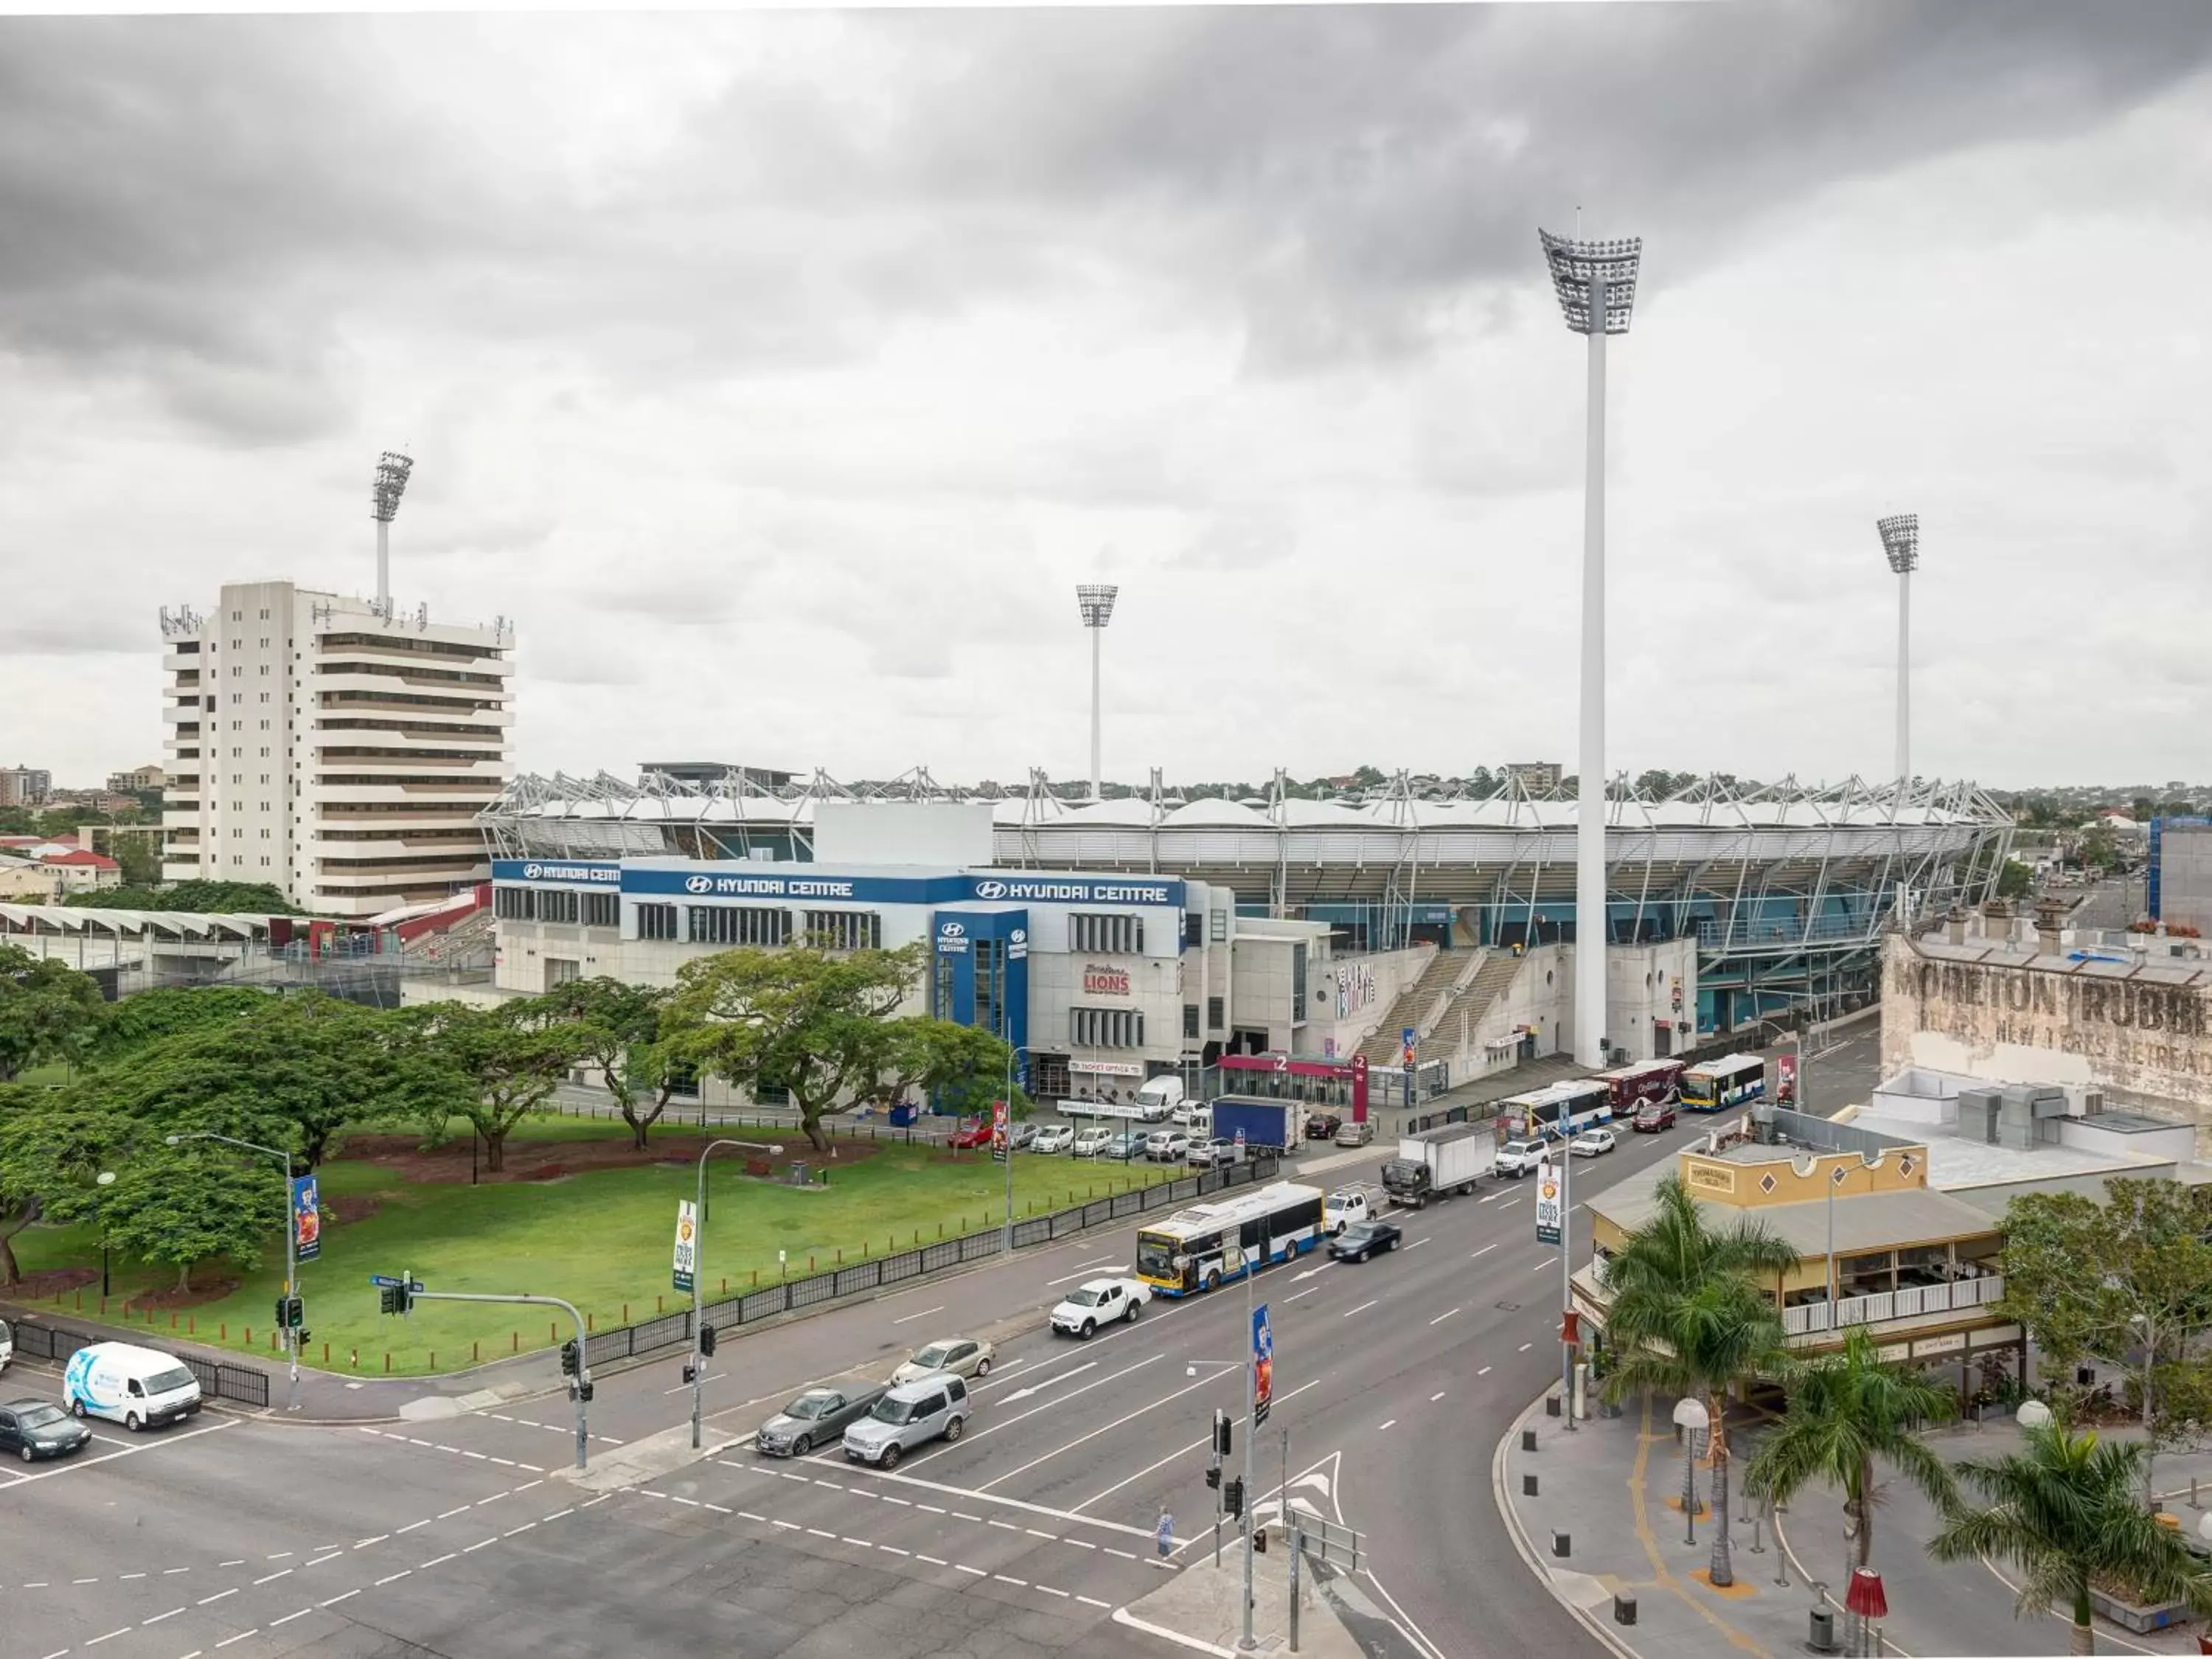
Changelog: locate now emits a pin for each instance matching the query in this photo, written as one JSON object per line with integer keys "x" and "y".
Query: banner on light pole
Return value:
{"x": 1000, "y": 1111}
{"x": 687, "y": 1244}
{"x": 1548, "y": 1208}
{"x": 1263, "y": 1365}
{"x": 307, "y": 1218}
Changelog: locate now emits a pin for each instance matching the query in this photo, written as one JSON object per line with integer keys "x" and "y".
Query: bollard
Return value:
{"x": 173, "y": 1320}
{"x": 475, "y": 1351}
{"x": 589, "y": 1324}
{"x": 553, "y": 1329}
{"x": 1550, "y": 1405}
{"x": 326, "y": 1354}
{"x": 659, "y": 1307}
{"x": 1624, "y": 1607}
{"x": 1528, "y": 1485}
{"x": 192, "y": 1324}
{"x": 725, "y": 1287}
{"x": 1527, "y": 1440}
{"x": 514, "y": 1341}
{"x": 1561, "y": 1544}
{"x": 356, "y": 1360}
{"x": 103, "y": 1307}
{"x": 249, "y": 1336}
{"x": 433, "y": 1360}
{"x": 625, "y": 1313}
{"x": 388, "y": 1362}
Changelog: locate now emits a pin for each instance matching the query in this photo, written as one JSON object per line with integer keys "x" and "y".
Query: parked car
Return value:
{"x": 963, "y": 1355}
{"x": 1187, "y": 1114}
{"x": 1090, "y": 1143}
{"x": 1363, "y": 1239}
{"x": 1593, "y": 1143}
{"x": 32, "y": 1429}
{"x": 1167, "y": 1145}
{"x": 969, "y": 1136}
{"x": 1212, "y": 1154}
{"x": 812, "y": 1420}
{"x": 1652, "y": 1116}
{"x": 1322, "y": 1126}
{"x": 1125, "y": 1145}
{"x": 1099, "y": 1302}
{"x": 909, "y": 1415}
{"x": 1053, "y": 1137}
{"x": 7, "y": 1345}
{"x": 1356, "y": 1134}
{"x": 1021, "y": 1136}
{"x": 1519, "y": 1157}
{"x": 1349, "y": 1204}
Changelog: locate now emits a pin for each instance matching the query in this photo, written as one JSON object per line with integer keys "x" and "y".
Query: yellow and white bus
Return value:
{"x": 1731, "y": 1080}
{"x": 1195, "y": 1249}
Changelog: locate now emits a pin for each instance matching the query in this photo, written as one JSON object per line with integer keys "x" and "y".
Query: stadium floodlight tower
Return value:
{"x": 1596, "y": 286}
{"x": 1096, "y": 602}
{"x": 1901, "y": 540}
{"x": 392, "y": 470}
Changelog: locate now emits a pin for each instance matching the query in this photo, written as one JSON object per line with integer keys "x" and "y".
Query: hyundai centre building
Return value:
{"x": 1099, "y": 980}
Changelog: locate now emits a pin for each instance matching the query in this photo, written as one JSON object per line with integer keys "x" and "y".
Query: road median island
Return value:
{"x": 1199, "y": 1607}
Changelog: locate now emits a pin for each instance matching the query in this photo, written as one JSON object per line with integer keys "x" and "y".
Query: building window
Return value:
{"x": 601, "y": 910}
{"x": 1193, "y": 929}
{"x": 514, "y": 903}
{"x": 1106, "y": 1028}
{"x": 1190, "y": 1020}
{"x": 562, "y": 970}
{"x": 1297, "y": 981}
{"x": 716, "y": 924}
{"x": 1106, "y": 935}
{"x": 1215, "y": 1014}
{"x": 845, "y": 930}
{"x": 1219, "y": 925}
{"x": 656, "y": 921}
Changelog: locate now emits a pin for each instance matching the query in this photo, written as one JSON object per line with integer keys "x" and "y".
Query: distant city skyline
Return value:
{"x": 772, "y": 392}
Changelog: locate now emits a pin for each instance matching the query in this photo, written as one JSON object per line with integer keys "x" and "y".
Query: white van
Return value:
{"x": 136, "y": 1387}
{"x": 7, "y": 1345}
{"x": 1158, "y": 1099}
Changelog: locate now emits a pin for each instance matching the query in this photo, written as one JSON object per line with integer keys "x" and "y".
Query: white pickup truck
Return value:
{"x": 1100, "y": 1302}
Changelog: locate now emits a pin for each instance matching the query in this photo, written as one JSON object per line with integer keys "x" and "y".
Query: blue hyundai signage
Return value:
{"x": 545, "y": 872}
{"x": 726, "y": 881}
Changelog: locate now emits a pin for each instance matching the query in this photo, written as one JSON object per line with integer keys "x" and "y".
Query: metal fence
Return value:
{"x": 674, "y": 1330}
{"x": 246, "y": 1384}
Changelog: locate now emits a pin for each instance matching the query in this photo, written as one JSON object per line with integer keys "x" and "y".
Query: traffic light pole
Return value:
{"x": 580, "y": 1388}
{"x": 291, "y": 1283}
{"x": 698, "y": 1276}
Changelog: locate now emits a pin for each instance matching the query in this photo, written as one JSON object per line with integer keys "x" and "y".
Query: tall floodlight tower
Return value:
{"x": 392, "y": 470}
{"x": 1596, "y": 286}
{"x": 1901, "y": 540}
{"x": 1096, "y": 603}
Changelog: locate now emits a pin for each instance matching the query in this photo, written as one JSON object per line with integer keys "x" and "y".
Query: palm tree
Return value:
{"x": 2063, "y": 1510}
{"x": 1689, "y": 1319}
{"x": 1846, "y": 1410}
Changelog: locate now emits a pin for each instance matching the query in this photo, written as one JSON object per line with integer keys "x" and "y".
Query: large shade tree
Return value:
{"x": 1847, "y": 1412}
{"x": 510, "y": 1060}
{"x": 620, "y": 1024}
{"x": 1688, "y": 1316}
{"x": 48, "y": 1012}
{"x": 808, "y": 1021}
{"x": 2064, "y": 1512}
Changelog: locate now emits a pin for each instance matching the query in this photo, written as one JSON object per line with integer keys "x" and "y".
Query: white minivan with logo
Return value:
{"x": 7, "y": 1345}
{"x": 137, "y": 1387}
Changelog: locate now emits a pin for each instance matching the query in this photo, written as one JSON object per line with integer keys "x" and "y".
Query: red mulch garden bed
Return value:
{"x": 551, "y": 1160}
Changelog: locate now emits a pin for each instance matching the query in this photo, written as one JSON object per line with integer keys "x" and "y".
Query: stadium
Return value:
{"x": 1785, "y": 889}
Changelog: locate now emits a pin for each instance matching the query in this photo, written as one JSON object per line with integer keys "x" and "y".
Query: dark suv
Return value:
{"x": 1652, "y": 1116}
{"x": 1322, "y": 1126}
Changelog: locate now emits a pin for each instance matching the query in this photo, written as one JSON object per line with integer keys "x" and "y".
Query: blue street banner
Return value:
{"x": 307, "y": 1218}
{"x": 1263, "y": 1365}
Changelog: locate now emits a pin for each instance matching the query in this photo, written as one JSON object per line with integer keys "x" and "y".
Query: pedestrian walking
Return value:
{"x": 1165, "y": 1533}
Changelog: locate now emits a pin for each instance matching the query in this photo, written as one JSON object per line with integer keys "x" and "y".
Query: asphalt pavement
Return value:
{"x": 457, "y": 1531}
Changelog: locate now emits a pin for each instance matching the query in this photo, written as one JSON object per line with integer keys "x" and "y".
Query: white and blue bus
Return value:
{"x": 1559, "y": 1111}
{"x": 1195, "y": 1249}
{"x": 1731, "y": 1080}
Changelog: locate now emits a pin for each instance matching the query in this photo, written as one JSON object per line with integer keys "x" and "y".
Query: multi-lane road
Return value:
{"x": 461, "y": 1535}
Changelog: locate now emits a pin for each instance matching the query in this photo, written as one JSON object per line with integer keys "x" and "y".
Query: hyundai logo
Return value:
{"x": 698, "y": 884}
{"x": 1019, "y": 936}
{"x": 952, "y": 930}
{"x": 530, "y": 871}
{"x": 990, "y": 890}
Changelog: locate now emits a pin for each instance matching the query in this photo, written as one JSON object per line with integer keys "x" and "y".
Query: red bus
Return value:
{"x": 1631, "y": 1085}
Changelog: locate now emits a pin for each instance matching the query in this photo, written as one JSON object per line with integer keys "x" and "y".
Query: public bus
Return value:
{"x": 1561, "y": 1110}
{"x": 1195, "y": 1249}
{"x": 1632, "y": 1085}
{"x": 1717, "y": 1085}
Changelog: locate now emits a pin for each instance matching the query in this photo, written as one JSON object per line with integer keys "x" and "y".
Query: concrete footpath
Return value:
{"x": 1199, "y": 1607}
{"x": 1611, "y": 1490}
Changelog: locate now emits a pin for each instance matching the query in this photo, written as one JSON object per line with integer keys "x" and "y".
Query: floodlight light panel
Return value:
{"x": 1574, "y": 263}
{"x": 392, "y": 470}
{"x": 1096, "y": 601}
{"x": 1901, "y": 540}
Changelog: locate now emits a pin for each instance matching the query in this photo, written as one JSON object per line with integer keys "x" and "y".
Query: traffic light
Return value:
{"x": 291, "y": 1312}
{"x": 283, "y": 1303}
{"x": 571, "y": 1357}
{"x": 1233, "y": 1499}
{"x": 392, "y": 1299}
{"x": 581, "y": 1391}
{"x": 706, "y": 1340}
{"x": 1221, "y": 1433}
{"x": 690, "y": 1373}
{"x": 1213, "y": 1477}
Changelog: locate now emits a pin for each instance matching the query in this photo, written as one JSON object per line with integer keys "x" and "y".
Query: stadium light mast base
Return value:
{"x": 1597, "y": 285}
{"x": 1900, "y": 541}
{"x": 1095, "y": 600}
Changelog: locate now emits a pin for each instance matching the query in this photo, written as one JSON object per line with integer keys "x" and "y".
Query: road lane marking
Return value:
{"x": 1417, "y": 1243}
{"x": 1295, "y": 1295}
{"x": 438, "y": 1560}
{"x": 206, "y": 1600}
{"x": 978, "y": 1571}
{"x": 1525, "y": 1346}
{"x": 1362, "y": 1308}
{"x": 1084, "y": 1271}
{"x": 391, "y": 1577}
{"x": 284, "y": 1573}
{"x": 933, "y": 1560}
{"x": 1103, "y": 1428}
{"x": 335, "y": 1599}
{"x": 893, "y": 1549}
{"x": 159, "y": 1617}
{"x": 1441, "y": 1318}
{"x": 168, "y": 1439}
{"x": 241, "y": 1637}
{"x": 1485, "y": 1371}
{"x": 1486, "y": 1249}
{"x": 907, "y": 1319}
{"x": 1549, "y": 1261}
{"x": 1509, "y": 1203}
{"x": 320, "y": 1560}
{"x": 1437, "y": 1395}
{"x": 1492, "y": 1199}
{"x": 1062, "y": 1399}
{"x": 290, "y": 1617}
{"x": 110, "y": 1636}
{"x": 1392, "y": 1424}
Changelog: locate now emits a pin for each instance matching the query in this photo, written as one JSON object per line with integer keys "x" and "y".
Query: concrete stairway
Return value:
{"x": 1411, "y": 1007}
{"x": 1465, "y": 1010}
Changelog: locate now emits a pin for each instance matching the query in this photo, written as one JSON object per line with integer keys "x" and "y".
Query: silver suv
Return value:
{"x": 910, "y": 1415}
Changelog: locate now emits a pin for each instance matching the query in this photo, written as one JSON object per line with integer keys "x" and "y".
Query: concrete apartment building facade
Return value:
{"x": 335, "y": 751}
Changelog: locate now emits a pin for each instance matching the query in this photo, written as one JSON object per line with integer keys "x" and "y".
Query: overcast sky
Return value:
{"x": 782, "y": 374}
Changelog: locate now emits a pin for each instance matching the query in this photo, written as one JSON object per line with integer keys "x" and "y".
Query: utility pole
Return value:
{"x": 291, "y": 1244}
{"x": 579, "y": 1389}
{"x": 699, "y": 1277}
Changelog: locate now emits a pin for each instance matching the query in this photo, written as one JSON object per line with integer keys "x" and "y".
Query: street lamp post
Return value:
{"x": 105, "y": 1178}
{"x": 1007, "y": 1244}
{"x": 291, "y": 1240}
{"x": 1597, "y": 285}
{"x": 1900, "y": 542}
{"x": 699, "y": 1277}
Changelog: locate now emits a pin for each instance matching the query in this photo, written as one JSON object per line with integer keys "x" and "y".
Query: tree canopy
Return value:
{"x": 620, "y": 1025}
{"x": 214, "y": 899}
{"x": 48, "y": 1010}
{"x": 506, "y": 1063}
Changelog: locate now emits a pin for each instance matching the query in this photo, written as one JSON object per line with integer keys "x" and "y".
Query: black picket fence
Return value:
{"x": 246, "y": 1384}
{"x": 674, "y": 1330}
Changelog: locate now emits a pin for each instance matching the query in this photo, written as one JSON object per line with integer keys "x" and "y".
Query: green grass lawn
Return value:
{"x": 600, "y": 1239}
